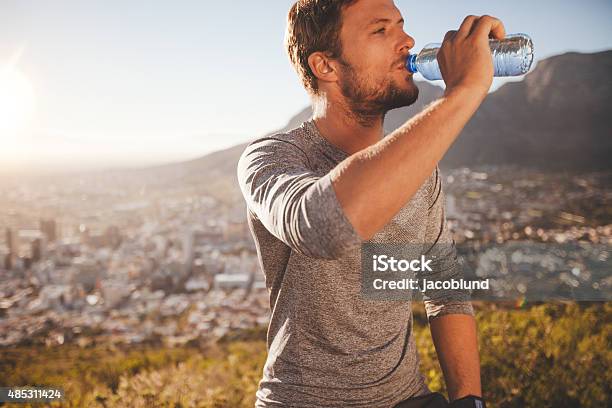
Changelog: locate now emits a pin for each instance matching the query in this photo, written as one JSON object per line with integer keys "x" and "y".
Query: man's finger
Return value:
{"x": 489, "y": 27}
{"x": 449, "y": 35}
{"x": 466, "y": 26}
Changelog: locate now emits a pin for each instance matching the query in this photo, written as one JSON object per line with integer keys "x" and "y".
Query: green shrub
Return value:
{"x": 553, "y": 355}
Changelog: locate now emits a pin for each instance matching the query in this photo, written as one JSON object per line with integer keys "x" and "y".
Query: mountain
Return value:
{"x": 558, "y": 117}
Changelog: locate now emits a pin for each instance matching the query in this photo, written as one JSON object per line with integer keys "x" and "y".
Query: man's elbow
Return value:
{"x": 365, "y": 232}
{"x": 360, "y": 219}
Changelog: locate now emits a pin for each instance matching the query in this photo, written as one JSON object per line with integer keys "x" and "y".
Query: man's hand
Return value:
{"x": 465, "y": 56}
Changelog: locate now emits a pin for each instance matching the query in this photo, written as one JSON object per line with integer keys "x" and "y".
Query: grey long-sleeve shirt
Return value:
{"x": 328, "y": 346}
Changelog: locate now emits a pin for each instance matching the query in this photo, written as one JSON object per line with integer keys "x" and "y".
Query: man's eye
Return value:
{"x": 382, "y": 30}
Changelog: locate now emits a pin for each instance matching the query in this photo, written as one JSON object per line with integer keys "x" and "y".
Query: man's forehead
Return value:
{"x": 364, "y": 13}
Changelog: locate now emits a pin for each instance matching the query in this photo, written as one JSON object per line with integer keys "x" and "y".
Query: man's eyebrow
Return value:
{"x": 382, "y": 20}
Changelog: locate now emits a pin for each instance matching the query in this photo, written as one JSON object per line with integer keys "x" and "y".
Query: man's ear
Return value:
{"x": 322, "y": 67}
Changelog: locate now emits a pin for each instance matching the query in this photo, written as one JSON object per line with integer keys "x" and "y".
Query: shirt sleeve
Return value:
{"x": 441, "y": 302}
{"x": 295, "y": 205}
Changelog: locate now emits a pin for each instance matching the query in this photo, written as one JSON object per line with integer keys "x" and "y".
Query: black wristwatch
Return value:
{"x": 471, "y": 401}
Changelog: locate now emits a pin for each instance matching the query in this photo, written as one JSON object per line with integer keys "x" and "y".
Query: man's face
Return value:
{"x": 373, "y": 78}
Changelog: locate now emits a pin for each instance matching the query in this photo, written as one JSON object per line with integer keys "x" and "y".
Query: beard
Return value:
{"x": 367, "y": 102}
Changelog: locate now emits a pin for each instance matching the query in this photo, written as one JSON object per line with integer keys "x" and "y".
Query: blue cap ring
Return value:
{"x": 411, "y": 63}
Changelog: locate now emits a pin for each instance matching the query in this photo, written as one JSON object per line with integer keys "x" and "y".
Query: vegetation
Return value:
{"x": 555, "y": 355}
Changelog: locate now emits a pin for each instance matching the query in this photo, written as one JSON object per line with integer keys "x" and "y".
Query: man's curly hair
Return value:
{"x": 313, "y": 25}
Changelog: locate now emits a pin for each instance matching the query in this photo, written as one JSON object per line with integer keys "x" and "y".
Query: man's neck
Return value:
{"x": 342, "y": 128}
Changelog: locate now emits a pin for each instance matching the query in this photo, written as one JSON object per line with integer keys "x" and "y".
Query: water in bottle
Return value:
{"x": 512, "y": 56}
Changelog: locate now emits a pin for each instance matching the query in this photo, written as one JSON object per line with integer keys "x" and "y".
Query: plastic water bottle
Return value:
{"x": 512, "y": 56}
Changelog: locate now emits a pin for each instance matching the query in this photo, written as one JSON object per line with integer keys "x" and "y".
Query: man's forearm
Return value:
{"x": 373, "y": 184}
{"x": 456, "y": 343}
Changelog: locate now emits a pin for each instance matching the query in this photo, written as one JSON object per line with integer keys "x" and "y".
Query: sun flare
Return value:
{"x": 16, "y": 100}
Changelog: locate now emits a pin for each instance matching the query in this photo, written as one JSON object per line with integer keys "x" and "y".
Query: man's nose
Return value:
{"x": 406, "y": 43}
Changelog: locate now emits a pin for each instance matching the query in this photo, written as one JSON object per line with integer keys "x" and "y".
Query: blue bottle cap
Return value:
{"x": 411, "y": 63}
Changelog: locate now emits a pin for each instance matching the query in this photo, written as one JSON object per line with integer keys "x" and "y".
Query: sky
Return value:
{"x": 117, "y": 83}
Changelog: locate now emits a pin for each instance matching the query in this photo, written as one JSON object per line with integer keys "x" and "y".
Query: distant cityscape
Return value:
{"x": 543, "y": 236}
{"x": 85, "y": 259}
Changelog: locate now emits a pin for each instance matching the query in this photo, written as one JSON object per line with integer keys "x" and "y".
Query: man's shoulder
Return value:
{"x": 291, "y": 141}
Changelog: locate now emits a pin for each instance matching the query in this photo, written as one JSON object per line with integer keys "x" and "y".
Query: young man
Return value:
{"x": 316, "y": 193}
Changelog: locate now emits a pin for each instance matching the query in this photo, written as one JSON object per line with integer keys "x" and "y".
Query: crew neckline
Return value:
{"x": 326, "y": 144}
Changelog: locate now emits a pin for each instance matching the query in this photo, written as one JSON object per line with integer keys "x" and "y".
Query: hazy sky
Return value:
{"x": 135, "y": 82}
